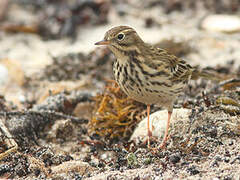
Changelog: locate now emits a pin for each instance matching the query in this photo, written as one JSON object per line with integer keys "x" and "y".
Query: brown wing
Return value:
{"x": 177, "y": 69}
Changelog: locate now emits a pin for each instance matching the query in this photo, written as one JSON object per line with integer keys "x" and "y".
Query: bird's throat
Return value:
{"x": 124, "y": 55}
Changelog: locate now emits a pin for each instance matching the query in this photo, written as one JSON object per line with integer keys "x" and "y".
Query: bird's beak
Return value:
{"x": 103, "y": 42}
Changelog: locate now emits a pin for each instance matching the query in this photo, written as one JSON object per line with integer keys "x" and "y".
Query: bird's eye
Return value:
{"x": 120, "y": 36}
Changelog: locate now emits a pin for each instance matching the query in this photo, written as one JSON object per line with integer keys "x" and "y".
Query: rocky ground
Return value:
{"x": 63, "y": 118}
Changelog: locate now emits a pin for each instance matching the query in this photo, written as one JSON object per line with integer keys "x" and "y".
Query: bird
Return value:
{"x": 147, "y": 74}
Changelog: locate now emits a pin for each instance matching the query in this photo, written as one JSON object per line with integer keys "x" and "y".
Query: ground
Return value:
{"x": 63, "y": 117}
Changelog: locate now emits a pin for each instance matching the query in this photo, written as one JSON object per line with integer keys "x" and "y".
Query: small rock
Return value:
{"x": 76, "y": 166}
{"x": 4, "y": 168}
{"x": 221, "y": 23}
{"x": 218, "y": 158}
{"x": 62, "y": 130}
{"x": 193, "y": 171}
{"x": 159, "y": 121}
{"x": 175, "y": 158}
{"x": 4, "y": 75}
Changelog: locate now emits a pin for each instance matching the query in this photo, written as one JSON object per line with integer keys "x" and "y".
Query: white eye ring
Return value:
{"x": 120, "y": 36}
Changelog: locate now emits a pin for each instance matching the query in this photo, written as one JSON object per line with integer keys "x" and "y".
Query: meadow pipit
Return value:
{"x": 145, "y": 73}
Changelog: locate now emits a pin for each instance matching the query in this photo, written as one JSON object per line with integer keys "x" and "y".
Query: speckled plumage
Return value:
{"x": 145, "y": 73}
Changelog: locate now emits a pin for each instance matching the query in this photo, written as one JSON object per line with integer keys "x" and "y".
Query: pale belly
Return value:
{"x": 143, "y": 95}
{"x": 146, "y": 97}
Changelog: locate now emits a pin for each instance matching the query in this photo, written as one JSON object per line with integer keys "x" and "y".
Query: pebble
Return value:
{"x": 221, "y": 23}
{"x": 69, "y": 166}
{"x": 193, "y": 170}
{"x": 4, "y": 75}
{"x": 175, "y": 158}
{"x": 159, "y": 121}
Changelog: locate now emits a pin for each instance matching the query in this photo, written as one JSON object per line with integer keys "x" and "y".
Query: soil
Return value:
{"x": 63, "y": 117}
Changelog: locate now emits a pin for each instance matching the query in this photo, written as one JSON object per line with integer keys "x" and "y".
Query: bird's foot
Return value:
{"x": 155, "y": 150}
{"x": 150, "y": 140}
{"x": 162, "y": 145}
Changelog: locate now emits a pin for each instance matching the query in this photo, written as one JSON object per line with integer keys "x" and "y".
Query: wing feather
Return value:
{"x": 161, "y": 60}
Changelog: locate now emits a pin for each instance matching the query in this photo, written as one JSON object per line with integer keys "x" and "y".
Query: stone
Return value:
{"x": 221, "y": 23}
{"x": 72, "y": 166}
{"x": 158, "y": 121}
{"x": 4, "y": 75}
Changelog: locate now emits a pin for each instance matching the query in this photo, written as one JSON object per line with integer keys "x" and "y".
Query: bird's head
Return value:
{"x": 121, "y": 39}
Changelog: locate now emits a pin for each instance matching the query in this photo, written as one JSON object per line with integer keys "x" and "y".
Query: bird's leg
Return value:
{"x": 148, "y": 125}
{"x": 166, "y": 131}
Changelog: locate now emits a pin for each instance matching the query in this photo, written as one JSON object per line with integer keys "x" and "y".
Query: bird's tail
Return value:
{"x": 206, "y": 73}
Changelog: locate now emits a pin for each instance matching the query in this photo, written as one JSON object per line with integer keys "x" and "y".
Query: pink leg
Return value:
{"x": 166, "y": 131}
{"x": 148, "y": 125}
